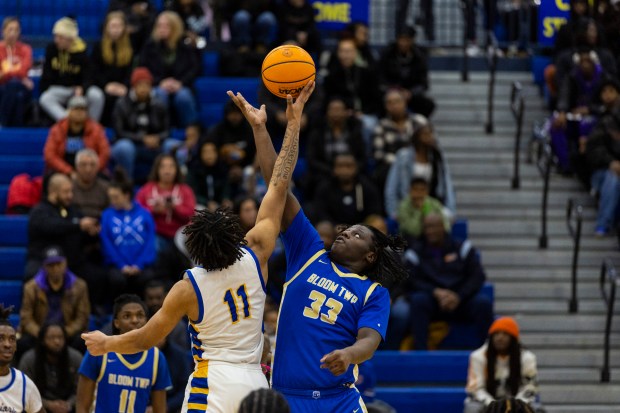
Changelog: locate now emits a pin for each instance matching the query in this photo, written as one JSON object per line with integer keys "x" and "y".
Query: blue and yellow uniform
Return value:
{"x": 125, "y": 381}
{"x": 323, "y": 307}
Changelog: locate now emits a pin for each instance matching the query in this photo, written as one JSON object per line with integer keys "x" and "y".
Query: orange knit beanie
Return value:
{"x": 507, "y": 325}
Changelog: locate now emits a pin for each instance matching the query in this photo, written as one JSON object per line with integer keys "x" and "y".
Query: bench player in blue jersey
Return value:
{"x": 124, "y": 383}
{"x": 224, "y": 298}
{"x": 334, "y": 312}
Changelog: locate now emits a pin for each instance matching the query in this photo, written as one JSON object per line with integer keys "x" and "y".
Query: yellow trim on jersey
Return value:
{"x": 364, "y": 410}
{"x": 348, "y": 275}
{"x": 136, "y": 364}
{"x": 104, "y": 364}
{"x": 370, "y": 290}
{"x": 196, "y": 406}
{"x": 356, "y": 372}
{"x": 199, "y": 390}
{"x": 202, "y": 369}
{"x": 155, "y": 365}
{"x": 310, "y": 261}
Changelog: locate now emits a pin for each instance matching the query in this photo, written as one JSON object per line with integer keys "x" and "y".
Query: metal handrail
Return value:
{"x": 608, "y": 276}
{"x": 492, "y": 49}
{"x": 574, "y": 209}
{"x": 517, "y": 107}
{"x": 543, "y": 163}
{"x": 465, "y": 67}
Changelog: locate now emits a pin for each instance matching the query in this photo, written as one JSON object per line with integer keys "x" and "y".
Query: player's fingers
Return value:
{"x": 327, "y": 358}
{"x": 263, "y": 108}
{"x": 289, "y": 100}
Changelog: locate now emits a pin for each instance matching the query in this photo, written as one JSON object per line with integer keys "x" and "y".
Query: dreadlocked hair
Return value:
{"x": 4, "y": 315}
{"x": 264, "y": 401}
{"x": 510, "y": 405}
{"x": 214, "y": 239}
{"x": 514, "y": 380}
{"x": 387, "y": 266}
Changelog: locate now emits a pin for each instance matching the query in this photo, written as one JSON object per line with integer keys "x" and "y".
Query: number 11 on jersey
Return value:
{"x": 232, "y": 303}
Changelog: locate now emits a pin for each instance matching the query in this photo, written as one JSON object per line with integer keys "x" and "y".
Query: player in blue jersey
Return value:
{"x": 124, "y": 383}
{"x": 334, "y": 312}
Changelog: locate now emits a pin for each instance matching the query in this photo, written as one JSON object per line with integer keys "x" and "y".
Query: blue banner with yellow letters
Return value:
{"x": 336, "y": 14}
{"x": 552, "y": 14}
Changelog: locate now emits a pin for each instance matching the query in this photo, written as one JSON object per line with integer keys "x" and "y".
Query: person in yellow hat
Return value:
{"x": 501, "y": 368}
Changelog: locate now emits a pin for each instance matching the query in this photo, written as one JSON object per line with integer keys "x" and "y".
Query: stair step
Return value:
{"x": 573, "y": 358}
{"x": 592, "y": 393}
{"x": 594, "y": 342}
{"x": 534, "y": 306}
{"x": 545, "y": 290}
{"x": 564, "y": 408}
{"x": 594, "y": 324}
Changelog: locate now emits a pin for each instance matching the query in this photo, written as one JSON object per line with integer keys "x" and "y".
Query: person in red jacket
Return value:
{"x": 68, "y": 136}
{"x": 170, "y": 201}
{"x": 15, "y": 85}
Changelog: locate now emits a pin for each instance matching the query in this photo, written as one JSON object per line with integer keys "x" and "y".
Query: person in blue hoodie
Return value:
{"x": 127, "y": 239}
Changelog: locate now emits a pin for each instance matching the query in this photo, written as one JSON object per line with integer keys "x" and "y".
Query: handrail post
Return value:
{"x": 543, "y": 240}
{"x": 608, "y": 273}
{"x": 517, "y": 112}
{"x": 573, "y": 305}
{"x": 465, "y": 67}
{"x": 492, "y": 61}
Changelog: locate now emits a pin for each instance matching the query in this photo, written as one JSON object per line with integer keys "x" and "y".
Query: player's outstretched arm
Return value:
{"x": 338, "y": 361}
{"x": 269, "y": 219}
{"x": 265, "y": 151}
{"x": 181, "y": 300}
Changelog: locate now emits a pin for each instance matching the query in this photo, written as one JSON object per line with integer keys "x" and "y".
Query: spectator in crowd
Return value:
{"x": 141, "y": 124}
{"x": 19, "y": 394}
{"x": 579, "y": 16}
{"x": 155, "y": 293}
{"x": 413, "y": 209}
{"x": 394, "y": 131}
{"x": 264, "y": 401}
{"x": 577, "y": 101}
{"x": 339, "y": 133}
{"x": 501, "y": 368}
{"x": 96, "y": 382}
{"x": 53, "y": 365}
{"x": 404, "y": 65}
{"x": 127, "y": 239}
{"x": 603, "y": 156}
{"x": 194, "y": 19}
{"x": 140, "y": 16}
{"x": 207, "y": 175}
{"x": 423, "y": 159}
{"x": 233, "y": 136}
{"x": 358, "y": 85}
{"x": 54, "y": 295}
{"x": 112, "y": 57}
{"x": 378, "y": 222}
{"x": 15, "y": 85}
{"x": 296, "y": 22}
{"x": 366, "y": 56}
{"x": 68, "y": 136}
{"x": 181, "y": 366}
{"x": 445, "y": 282}
{"x": 174, "y": 66}
{"x": 168, "y": 199}
{"x": 247, "y": 210}
{"x": 56, "y": 221}
{"x": 348, "y": 197}
{"x": 185, "y": 149}
{"x": 253, "y": 19}
{"x": 90, "y": 192}
{"x": 67, "y": 73}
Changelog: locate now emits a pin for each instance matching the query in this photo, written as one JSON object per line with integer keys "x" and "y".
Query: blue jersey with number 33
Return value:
{"x": 323, "y": 307}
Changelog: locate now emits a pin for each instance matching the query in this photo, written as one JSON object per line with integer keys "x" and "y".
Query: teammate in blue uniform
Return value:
{"x": 124, "y": 383}
{"x": 334, "y": 312}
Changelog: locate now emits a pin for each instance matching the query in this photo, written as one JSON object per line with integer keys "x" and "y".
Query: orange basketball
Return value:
{"x": 286, "y": 70}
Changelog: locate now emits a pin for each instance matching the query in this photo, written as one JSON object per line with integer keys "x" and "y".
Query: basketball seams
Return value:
{"x": 294, "y": 81}
{"x": 283, "y": 63}
{"x": 301, "y": 65}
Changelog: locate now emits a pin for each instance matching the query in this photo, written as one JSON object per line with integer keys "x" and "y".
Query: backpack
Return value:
{"x": 24, "y": 193}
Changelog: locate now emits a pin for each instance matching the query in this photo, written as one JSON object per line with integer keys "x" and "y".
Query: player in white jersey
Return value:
{"x": 224, "y": 297}
{"x": 18, "y": 394}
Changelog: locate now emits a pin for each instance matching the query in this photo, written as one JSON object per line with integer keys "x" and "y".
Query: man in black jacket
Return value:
{"x": 445, "y": 282}
{"x": 140, "y": 123}
{"x": 67, "y": 73}
{"x": 56, "y": 221}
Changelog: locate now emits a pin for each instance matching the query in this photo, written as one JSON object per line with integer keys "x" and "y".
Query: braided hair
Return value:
{"x": 514, "y": 379}
{"x": 214, "y": 239}
{"x": 509, "y": 405}
{"x": 264, "y": 401}
{"x": 388, "y": 266}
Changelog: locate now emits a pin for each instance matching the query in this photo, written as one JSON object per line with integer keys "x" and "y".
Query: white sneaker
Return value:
{"x": 473, "y": 50}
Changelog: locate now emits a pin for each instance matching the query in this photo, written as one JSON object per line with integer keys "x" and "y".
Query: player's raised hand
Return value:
{"x": 338, "y": 362}
{"x": 294, "y": 110}
{"x": 95, "y": 342}
{"x": 256, "y": 117}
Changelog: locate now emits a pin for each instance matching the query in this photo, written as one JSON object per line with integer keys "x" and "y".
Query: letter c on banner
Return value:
{"x": 563, "y": 5}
